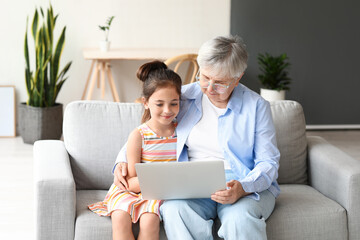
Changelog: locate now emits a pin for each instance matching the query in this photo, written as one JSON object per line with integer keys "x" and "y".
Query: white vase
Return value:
{"x": 272, "y": 95}
{"x": 104, "y": 46}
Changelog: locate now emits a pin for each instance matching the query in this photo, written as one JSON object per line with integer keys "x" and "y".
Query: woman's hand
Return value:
{"x": 234, "y": 192}
{"x": 120, "y": 173}
{"x": 134, "y": 185}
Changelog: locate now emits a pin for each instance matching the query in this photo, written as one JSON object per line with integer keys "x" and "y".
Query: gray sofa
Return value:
{"x": 320, "y": 184}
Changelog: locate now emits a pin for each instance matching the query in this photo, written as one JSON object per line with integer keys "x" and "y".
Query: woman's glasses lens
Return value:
{"x": 219, "y": 88}
{"x": 205, "y": 83}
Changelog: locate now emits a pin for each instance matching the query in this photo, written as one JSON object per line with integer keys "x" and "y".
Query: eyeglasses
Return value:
{"x": 205, "y": 83}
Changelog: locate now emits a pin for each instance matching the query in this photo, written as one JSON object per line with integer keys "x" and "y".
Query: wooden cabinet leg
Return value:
{"x": 112, "y": 83}
{"x": 98, "y": 73}
{"x": 88, "y": 79}
{"x": 102, "y": 71}
{"x": 93, "y": 81}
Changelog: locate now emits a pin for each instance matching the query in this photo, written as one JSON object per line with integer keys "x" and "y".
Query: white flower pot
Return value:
{"x": 272, "y": 95}
{"x": 104, "y": 46}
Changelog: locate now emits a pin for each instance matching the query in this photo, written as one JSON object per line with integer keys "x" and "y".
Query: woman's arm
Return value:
{"x": 266, "y": 159}
{"x": 266, "y": 153}
{"x": 133, "y": 155}
{"x": 120, "y": 169}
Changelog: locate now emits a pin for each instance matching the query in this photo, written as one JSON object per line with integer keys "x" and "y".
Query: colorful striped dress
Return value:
{"x": 154, "y": 149}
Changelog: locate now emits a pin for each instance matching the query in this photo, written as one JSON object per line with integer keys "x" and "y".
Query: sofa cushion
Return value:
{"x": 89, "y": 225}
{"x": 301, "y": 212}
{"x": 94, "y": 132}
{"x": 289, "y": 123}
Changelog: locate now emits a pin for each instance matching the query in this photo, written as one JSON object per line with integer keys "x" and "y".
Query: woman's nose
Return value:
{"x": 210, "y": 88}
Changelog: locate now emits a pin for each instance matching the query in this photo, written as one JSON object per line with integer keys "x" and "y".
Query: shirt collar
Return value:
{"x": 192, "y": 91}
{"x": 236, "y": 99}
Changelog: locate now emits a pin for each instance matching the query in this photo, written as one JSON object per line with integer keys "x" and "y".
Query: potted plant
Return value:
{"x": 41, "y": 116}
{"x": 105, "y": 44}
{"x": 274, "y": 76}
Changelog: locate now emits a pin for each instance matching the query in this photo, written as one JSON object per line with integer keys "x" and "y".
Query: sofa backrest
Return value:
{"x": 95, "y": 131}
{"x": 290, "y": 128}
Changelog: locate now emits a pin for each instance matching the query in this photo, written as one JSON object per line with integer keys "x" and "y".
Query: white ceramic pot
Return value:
{"x": 104, "y": 46}
{"x": 272, "y": 95}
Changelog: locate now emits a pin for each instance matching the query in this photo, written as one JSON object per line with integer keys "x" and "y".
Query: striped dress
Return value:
{"x": 154, "y": 149}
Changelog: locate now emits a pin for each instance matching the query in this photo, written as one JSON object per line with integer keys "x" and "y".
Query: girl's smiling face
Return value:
{"x": 163, "y": 105}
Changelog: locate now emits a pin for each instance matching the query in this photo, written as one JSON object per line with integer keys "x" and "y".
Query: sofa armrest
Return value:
{"x": 337, "y": 176}
{"x": 55, "y": 193}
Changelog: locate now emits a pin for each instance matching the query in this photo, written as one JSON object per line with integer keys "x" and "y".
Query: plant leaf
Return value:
{"x": 34, "y": 25}
{"x": 27, "y": 62}
{"x": 64, "y": 71}
{"x": 50, "y": 27}
{"x": 56, "y": 57}
{"x": 103, "y": 28}
{"x": 109, "y": 20}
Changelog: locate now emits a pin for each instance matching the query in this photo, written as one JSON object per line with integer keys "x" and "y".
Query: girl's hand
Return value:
{"x": 120, "y": 174}
{"x": 231, "y": 195}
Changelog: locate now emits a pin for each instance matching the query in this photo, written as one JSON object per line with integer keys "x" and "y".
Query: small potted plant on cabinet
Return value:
{"x": 105, "y": 44}
{"x": 274, "y": 76}
{"x": 41, "y": 116}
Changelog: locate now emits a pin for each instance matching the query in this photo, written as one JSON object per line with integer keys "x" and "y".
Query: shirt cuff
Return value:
{"x": 248, "y": 186}
{"x": 114, "y": 167}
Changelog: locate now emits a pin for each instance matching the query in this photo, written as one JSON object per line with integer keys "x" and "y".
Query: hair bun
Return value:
{"x": 145, "y": 70}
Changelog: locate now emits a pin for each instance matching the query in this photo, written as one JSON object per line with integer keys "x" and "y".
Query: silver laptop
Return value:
{"x": 180, "y": 180}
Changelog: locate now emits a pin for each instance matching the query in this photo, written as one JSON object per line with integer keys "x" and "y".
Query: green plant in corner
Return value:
{"x": 44, "y": 82}
{"x": 106, "y": 28}
{"x": 274, "y": 71}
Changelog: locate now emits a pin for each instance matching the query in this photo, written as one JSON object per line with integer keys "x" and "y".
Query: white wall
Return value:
{"x": 137, "y": 23}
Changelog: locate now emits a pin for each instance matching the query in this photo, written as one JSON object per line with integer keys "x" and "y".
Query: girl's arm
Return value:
{"x": 133, "y": 155}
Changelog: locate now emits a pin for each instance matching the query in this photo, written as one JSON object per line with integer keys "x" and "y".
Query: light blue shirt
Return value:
{"x": 246, "y": 136}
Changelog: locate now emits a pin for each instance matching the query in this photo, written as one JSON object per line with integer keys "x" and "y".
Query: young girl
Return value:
{"x": 153, "y": 141}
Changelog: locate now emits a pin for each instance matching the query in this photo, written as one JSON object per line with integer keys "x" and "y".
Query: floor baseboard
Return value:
{"x": 333, "y": 127}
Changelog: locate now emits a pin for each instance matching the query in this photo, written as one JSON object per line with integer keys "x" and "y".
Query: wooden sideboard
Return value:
{"x": 100, "y": 65}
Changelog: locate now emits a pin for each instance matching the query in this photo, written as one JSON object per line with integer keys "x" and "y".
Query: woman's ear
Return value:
{"x": 238, "y": 79}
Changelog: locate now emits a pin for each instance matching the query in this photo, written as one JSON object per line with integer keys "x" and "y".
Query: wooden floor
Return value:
{"x": 16, "y": 181}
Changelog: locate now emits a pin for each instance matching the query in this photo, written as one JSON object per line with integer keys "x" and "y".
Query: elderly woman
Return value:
{"x": 221, "y": 119}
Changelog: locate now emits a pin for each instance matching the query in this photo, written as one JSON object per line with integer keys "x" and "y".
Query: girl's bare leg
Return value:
{"x": 149, "y": 226}
{"x": 121, "y": 225}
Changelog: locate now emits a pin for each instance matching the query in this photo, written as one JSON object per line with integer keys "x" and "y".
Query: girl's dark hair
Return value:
{"x": 156, "y": 75}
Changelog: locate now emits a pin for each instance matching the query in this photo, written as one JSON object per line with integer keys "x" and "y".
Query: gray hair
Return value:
{"x": 224, "y": 56}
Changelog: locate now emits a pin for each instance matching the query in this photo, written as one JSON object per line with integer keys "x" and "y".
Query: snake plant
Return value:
{"x": 274, "y": 71}
{"x": 45, "y": 81}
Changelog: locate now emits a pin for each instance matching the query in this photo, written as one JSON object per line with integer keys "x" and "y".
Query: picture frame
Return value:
{"x": 7, "y": 111}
